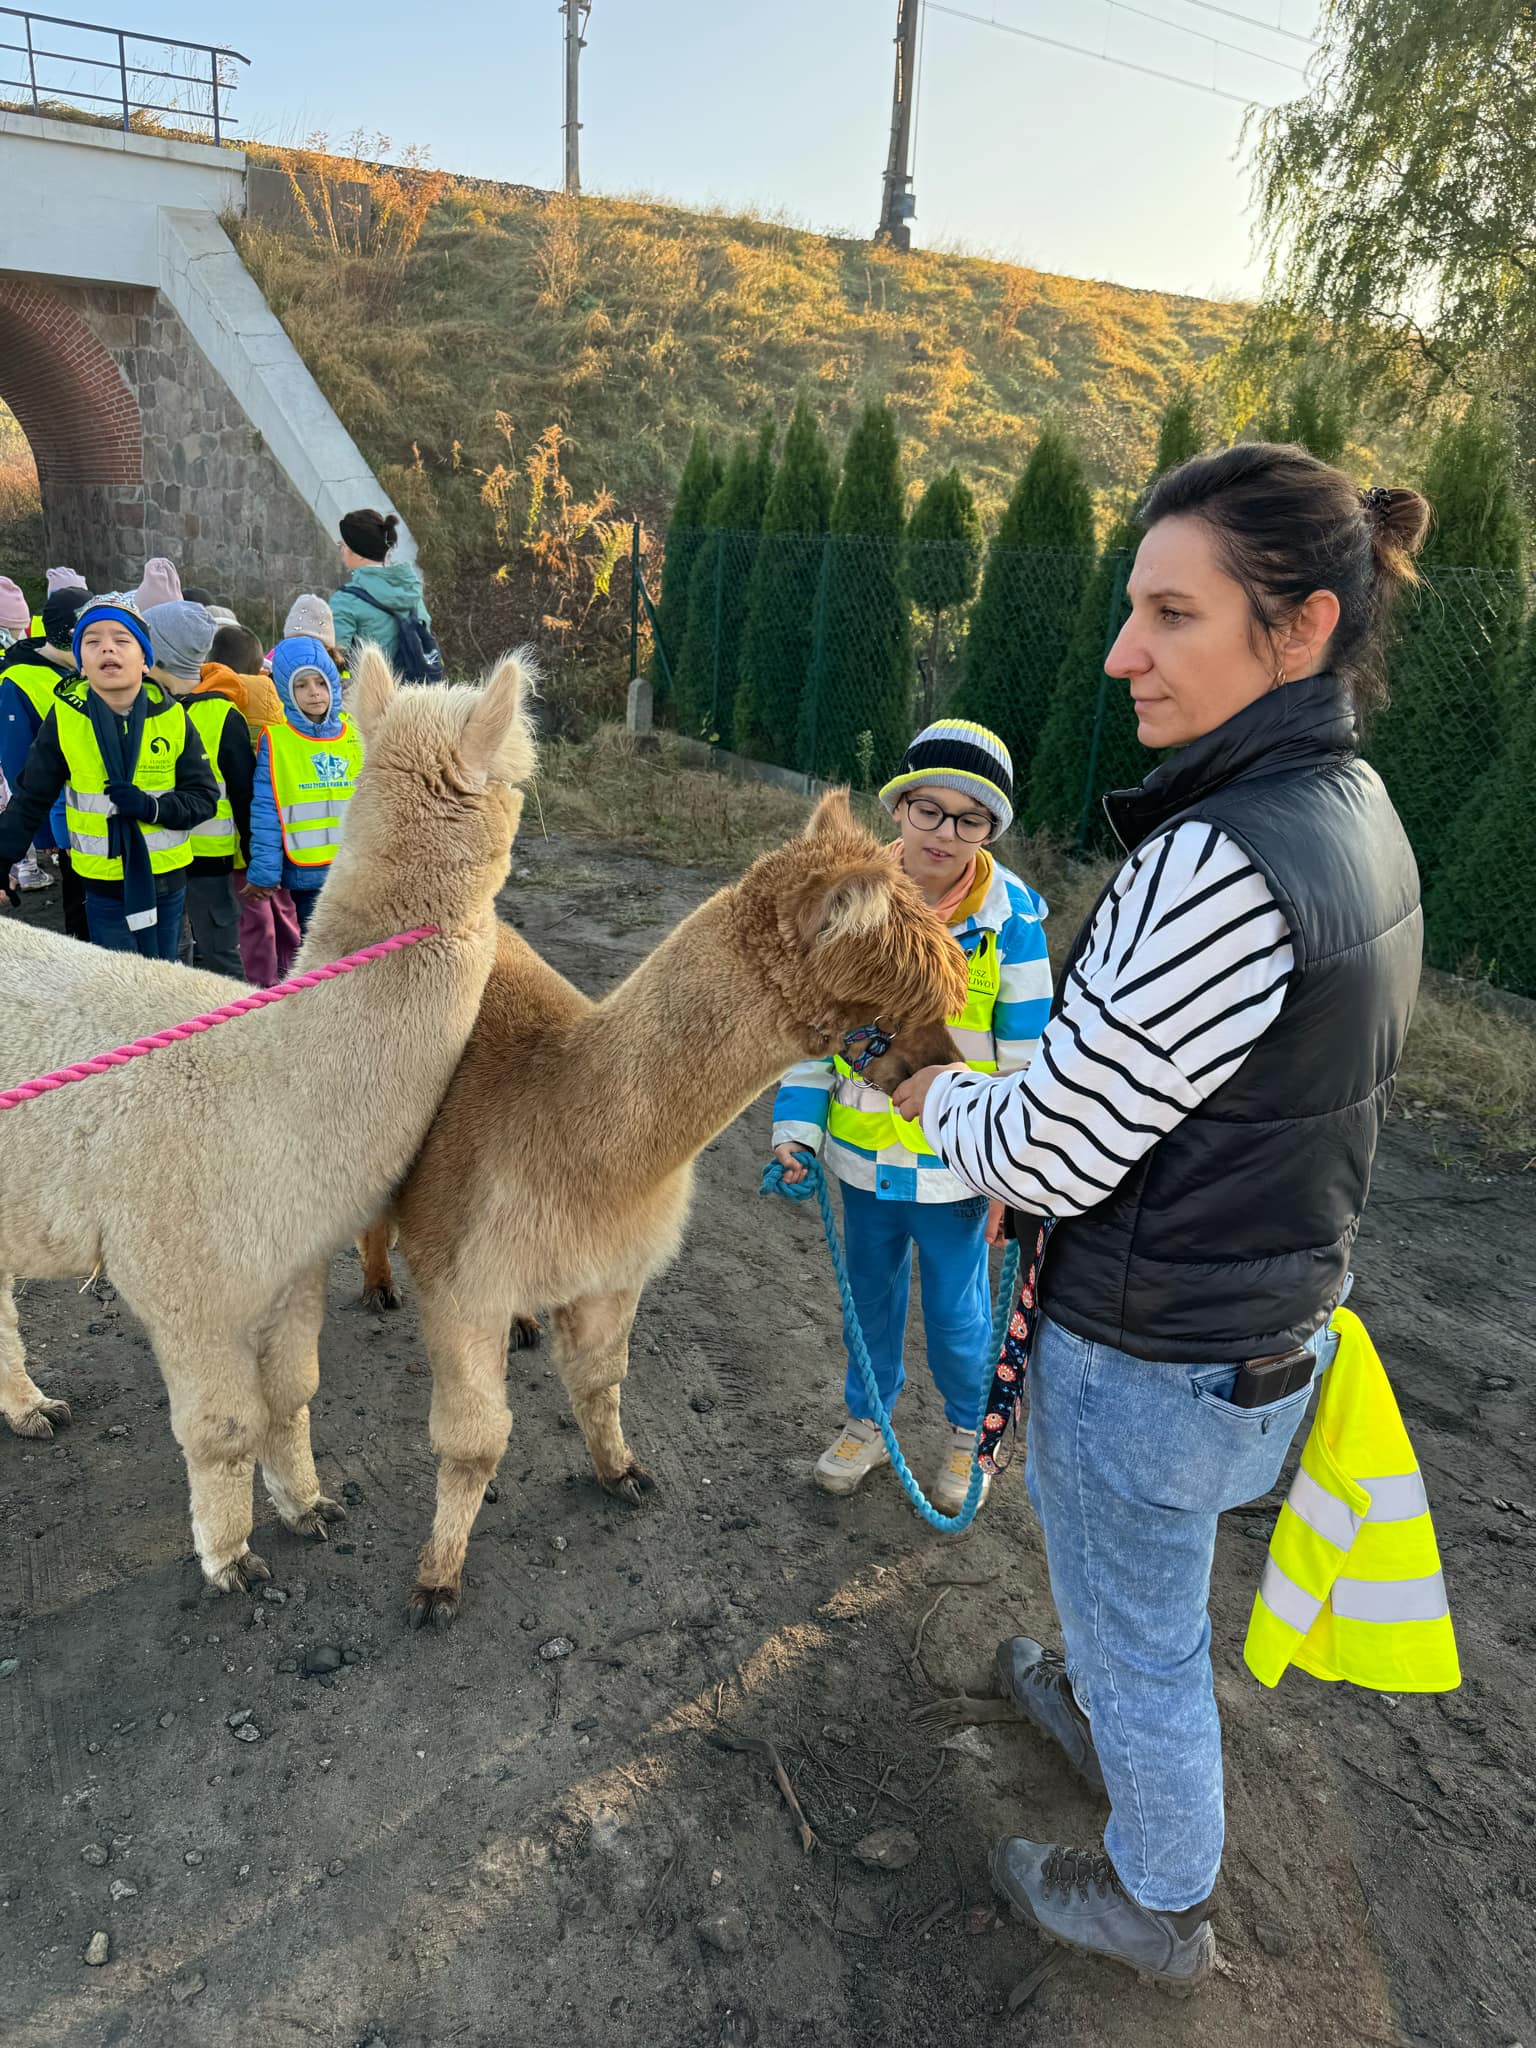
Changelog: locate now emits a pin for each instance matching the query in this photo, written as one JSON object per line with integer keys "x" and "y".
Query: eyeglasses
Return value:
{"x": 971, "y": 826}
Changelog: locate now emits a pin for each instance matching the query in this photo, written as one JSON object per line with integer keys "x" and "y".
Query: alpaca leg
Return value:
{"x": 470, "y": 1424}
{"x": 26, "y": 1408}
{"x": 219, "y": 1419}
{"x": 378, "y": 1277}
{"x": 592, "y": 1353}
{"x": 289, "y": 1366}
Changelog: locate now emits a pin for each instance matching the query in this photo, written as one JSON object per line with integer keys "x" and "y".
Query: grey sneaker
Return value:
{"x": 1036, "y": 1680}
{"x": 847, "y": 1462}
{"x": 1073, "y": 1897}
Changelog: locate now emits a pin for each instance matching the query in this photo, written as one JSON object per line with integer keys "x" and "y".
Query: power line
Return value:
{"x": 1031, "y": 35}
{"x": 1202, "y": 35}
{"x": 1270, "y": 28}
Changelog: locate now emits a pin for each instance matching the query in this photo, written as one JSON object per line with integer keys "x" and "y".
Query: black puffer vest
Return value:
{"x": 1231, "y": 1238}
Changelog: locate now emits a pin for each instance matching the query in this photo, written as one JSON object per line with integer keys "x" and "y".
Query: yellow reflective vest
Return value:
{"x": 86, "y": 812}
{"x": 875, "y": 1127}
{"x": 37, "y": 679}
{"x": 1352, "y": 1587}
{"x": 312, "y": 784}
{"x": 218, "y": 836}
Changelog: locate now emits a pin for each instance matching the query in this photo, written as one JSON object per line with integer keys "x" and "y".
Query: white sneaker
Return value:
{"x": 849, "y": 1462}
{"x": 954, "y": 1474}
{"x": 29, "y": 875}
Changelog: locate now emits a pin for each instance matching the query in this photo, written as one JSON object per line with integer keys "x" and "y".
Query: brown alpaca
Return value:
{"x": 559, "y": 1168}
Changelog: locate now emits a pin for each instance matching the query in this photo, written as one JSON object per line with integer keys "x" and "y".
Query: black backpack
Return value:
{"x": 418, "y": 658}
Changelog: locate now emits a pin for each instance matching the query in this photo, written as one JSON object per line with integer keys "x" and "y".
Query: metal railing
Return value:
{"x": 44, "y": 91}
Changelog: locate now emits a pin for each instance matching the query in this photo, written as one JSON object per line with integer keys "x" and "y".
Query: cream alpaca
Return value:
{"x": 558, "y": 1172}
{"x": 212, "y": 1181}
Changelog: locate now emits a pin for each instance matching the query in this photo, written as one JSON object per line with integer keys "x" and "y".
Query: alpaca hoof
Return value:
{"x": 317, "y": 1521}
{"x": 630, "y": 1486}
{"x": 525, "y": 1334}
{"x": 380, "y": 1297}
{"x": 38, "y": 1422}
{"x": 434, "y": 1606}
{"x": 246, "y": 1571}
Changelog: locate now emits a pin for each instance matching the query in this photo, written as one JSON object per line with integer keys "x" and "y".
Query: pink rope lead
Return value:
{"x": 258, "y": 999}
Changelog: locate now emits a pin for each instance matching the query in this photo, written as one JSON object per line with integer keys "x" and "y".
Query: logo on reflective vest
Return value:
{"x": 331, "y": 768}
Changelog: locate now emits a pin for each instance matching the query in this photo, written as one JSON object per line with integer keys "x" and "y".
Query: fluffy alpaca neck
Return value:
{"x": 682, "y": 1046}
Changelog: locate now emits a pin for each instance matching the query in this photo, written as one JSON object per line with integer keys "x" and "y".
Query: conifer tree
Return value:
{"x": 1481, "y": 911}
{"x": 1313, "y": 417}
{"x": 1450, "y": 666}
{"x": 1031, "y": 592}
{"x": 861, "y": 675}
{"x": 1084, "y": 729}
{"x": 701, "y": 478}
{"x": 943, "y": 564}
{"x": 777, "y": 641}
{"x": 717, "y": 591}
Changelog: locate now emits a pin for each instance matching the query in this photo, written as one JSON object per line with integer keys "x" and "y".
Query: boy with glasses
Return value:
{"x": 953, "y": 796}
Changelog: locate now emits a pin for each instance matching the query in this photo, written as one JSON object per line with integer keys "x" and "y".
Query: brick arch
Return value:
{"x": 67, "y": 393}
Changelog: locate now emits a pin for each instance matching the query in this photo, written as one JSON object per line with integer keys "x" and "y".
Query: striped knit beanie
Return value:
{"x": 952, "y": 753}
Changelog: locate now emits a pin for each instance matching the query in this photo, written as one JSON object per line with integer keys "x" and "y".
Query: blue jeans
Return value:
{"x": 957, "y": 1311}
{"x": 107, "y": 922}
{"x": 1129, "y": 1465}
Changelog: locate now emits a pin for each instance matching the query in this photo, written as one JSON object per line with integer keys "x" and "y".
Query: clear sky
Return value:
{"x": 1025, "y": 152}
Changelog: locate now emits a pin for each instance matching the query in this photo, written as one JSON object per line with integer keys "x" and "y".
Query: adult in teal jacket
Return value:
{"x": 366, "y": 541}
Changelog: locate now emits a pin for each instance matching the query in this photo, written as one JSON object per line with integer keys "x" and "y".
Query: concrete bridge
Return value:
{"x": 167, "y": 410}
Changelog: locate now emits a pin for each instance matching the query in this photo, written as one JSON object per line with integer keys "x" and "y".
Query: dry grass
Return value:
{"x": 1471, "y": 1053}
{"x": 645, "y": 798}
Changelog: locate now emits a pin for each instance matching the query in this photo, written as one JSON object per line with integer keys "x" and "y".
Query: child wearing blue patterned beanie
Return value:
{"x": 952, "y": 797}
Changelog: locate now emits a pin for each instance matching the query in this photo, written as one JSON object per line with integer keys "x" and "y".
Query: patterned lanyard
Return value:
{"x": 1006, "y": 1397}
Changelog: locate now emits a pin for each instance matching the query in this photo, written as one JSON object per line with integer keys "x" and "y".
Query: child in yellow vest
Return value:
{"x": 953, "y": 794}
{"x": 134, "y": 778}
{"x": 306, "y": 770}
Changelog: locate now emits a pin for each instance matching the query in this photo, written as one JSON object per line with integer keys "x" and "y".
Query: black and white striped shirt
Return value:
{"x": 1185, "y": 969}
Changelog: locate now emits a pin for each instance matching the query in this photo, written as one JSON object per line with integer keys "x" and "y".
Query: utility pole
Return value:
{"x": 576, "y": 13}
{"x": 897, "y": 205}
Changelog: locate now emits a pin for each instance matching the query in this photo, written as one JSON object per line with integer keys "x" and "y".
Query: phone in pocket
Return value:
{"x": 1263, "y": 1381}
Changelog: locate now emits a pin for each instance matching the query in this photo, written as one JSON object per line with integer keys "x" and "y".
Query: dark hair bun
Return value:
{"x": 1399, "y": 521}
{"x": 370, "y": 534}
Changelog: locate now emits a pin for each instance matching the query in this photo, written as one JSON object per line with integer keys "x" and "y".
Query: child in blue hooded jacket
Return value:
{"x": 306, "y": 771}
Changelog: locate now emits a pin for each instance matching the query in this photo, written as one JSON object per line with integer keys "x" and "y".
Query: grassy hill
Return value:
{"x": 621, "y": 324}
{"x": 626, "y": 323}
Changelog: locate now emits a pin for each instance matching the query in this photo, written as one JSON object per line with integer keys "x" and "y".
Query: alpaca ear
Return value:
{"x": 373, "y": 688}
{"x": 831, "y": 815}
{"x": 853, "y": 906}
{"x": 497, "y": 744}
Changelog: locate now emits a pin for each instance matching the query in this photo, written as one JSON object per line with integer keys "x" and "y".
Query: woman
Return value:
{"x": 954, "y": 794}
{"x": 1202, "y": 1118}
{"x": 376, "y": 590}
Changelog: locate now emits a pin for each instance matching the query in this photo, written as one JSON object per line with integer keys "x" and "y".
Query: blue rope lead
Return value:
{"x": 815, "y": 1183}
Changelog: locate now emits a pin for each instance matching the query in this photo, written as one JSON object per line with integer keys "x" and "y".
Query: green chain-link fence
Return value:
{"x": 805, "y": 650}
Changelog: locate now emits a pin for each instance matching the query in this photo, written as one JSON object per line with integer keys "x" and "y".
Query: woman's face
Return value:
{"x": 934, "y": 854}
{"x": 1191, "y": 650}
{"x": 350, "y": 559}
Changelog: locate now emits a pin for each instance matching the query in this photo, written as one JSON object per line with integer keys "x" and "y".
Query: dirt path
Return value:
{"x": 448, "y": 1840}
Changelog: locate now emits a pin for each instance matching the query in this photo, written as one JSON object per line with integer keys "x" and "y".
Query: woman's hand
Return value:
{"x": 793, "y": 1160}
{"x": 996, "y": 1211}
{"x": 909, "y": 1098}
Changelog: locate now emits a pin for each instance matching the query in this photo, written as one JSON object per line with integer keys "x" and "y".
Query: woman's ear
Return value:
{"x": 1303, "y": 643}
